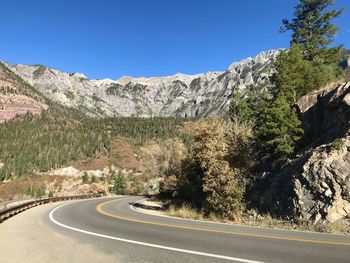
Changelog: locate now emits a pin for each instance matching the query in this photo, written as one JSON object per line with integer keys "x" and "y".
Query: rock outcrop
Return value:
{"x": 326, "y": 113}
{"x": 323, "y": 188}
{"x": 316, "y": 185}
{"x": 179, "y": 95}
{"x": 67, "y": 171}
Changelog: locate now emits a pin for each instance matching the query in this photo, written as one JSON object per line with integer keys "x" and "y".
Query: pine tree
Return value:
{"x": 279, "y": 128}
{"x": 312, "y": 30}
{"x": 244, "y": 106}
{"x": 308, "y": 65}
{"x": 119, "y": 184}
{"x": 294, "y": 76}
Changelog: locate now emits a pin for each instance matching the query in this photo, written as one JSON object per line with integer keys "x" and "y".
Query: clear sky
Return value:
{"x": 112, "y": 38}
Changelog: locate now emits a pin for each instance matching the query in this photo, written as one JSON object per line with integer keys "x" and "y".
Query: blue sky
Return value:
{"x": 106, "y": 38}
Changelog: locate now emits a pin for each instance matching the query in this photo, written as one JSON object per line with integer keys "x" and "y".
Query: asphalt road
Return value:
{"x": 111, "y": 225}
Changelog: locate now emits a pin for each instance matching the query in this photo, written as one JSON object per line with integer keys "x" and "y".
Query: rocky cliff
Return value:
{"x": 316, "y": 185}
{"x": 179, "y": 95}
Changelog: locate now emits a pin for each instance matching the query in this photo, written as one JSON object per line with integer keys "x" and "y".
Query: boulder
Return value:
{"x": 67, "y": 171}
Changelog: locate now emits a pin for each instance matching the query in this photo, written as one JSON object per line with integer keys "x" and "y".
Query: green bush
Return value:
{"x": 119, "y": 184}
{"x": 93, "y": 179}
{"x": 336, "y": 144}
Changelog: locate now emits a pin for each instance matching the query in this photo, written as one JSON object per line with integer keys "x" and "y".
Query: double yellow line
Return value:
{"x": 100, "y": 210}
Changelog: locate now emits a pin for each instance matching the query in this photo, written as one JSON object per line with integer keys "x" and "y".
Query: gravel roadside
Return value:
{"x": 27, "y": 237}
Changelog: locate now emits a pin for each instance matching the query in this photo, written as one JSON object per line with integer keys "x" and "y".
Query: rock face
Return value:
{"x": 323, "y": 188}
{"x": 316, "y": 185}
{"x": 326, "y": 113}
{"x": 179, "y": 95}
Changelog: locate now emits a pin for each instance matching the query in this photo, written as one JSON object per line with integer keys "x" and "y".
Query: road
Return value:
{"x": 112, "y": 227}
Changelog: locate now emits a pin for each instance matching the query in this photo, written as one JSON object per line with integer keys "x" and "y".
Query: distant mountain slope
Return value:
{"x": 179, "y": 95}
{"x": 16, "y": 96}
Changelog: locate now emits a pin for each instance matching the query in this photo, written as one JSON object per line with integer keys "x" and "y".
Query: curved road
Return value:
{"x": 113, "y": 226}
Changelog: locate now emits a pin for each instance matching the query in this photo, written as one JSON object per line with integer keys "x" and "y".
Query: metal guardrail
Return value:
{"x": 9, "y": 212}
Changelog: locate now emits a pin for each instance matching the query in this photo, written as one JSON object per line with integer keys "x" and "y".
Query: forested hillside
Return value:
{"x": 31, "y": 144}
{"x": 39, "y": 135}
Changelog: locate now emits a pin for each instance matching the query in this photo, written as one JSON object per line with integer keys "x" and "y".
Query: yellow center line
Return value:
{"x": 100, "y": 210}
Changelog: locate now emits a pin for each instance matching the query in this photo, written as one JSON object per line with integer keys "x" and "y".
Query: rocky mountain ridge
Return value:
{"x": 178, "y": 95}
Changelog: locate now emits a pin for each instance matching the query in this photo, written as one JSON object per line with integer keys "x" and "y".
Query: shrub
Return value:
{"x": 223, "y": 193}
{"x": 119, "y": 184}
{"x": 39, "y": 192}
{"x": 85, "y": 178}
{"x": 93, "y": 179}
{"x": 336, "y": 144}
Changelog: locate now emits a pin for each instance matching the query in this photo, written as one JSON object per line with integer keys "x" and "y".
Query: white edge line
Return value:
{"x": 144, "y": 243}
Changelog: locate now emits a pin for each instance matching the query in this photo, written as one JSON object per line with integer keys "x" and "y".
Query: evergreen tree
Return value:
{"x": 312, "y": 30}
{"x": 294, "y": 76}
{"x": 307, "y": 66}
{"x": 279, "y": 128}
{"x": 244, "y": 107}
{"x": 119, "y": 184}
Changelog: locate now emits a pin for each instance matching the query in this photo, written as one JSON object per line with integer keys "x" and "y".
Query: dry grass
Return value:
{"x": 188, "y": 212}
{"x": 184, "y": 211}
{"x": 252, "y": 218}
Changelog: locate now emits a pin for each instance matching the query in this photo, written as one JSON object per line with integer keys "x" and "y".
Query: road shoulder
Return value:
{"x": 27, "y": 237}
